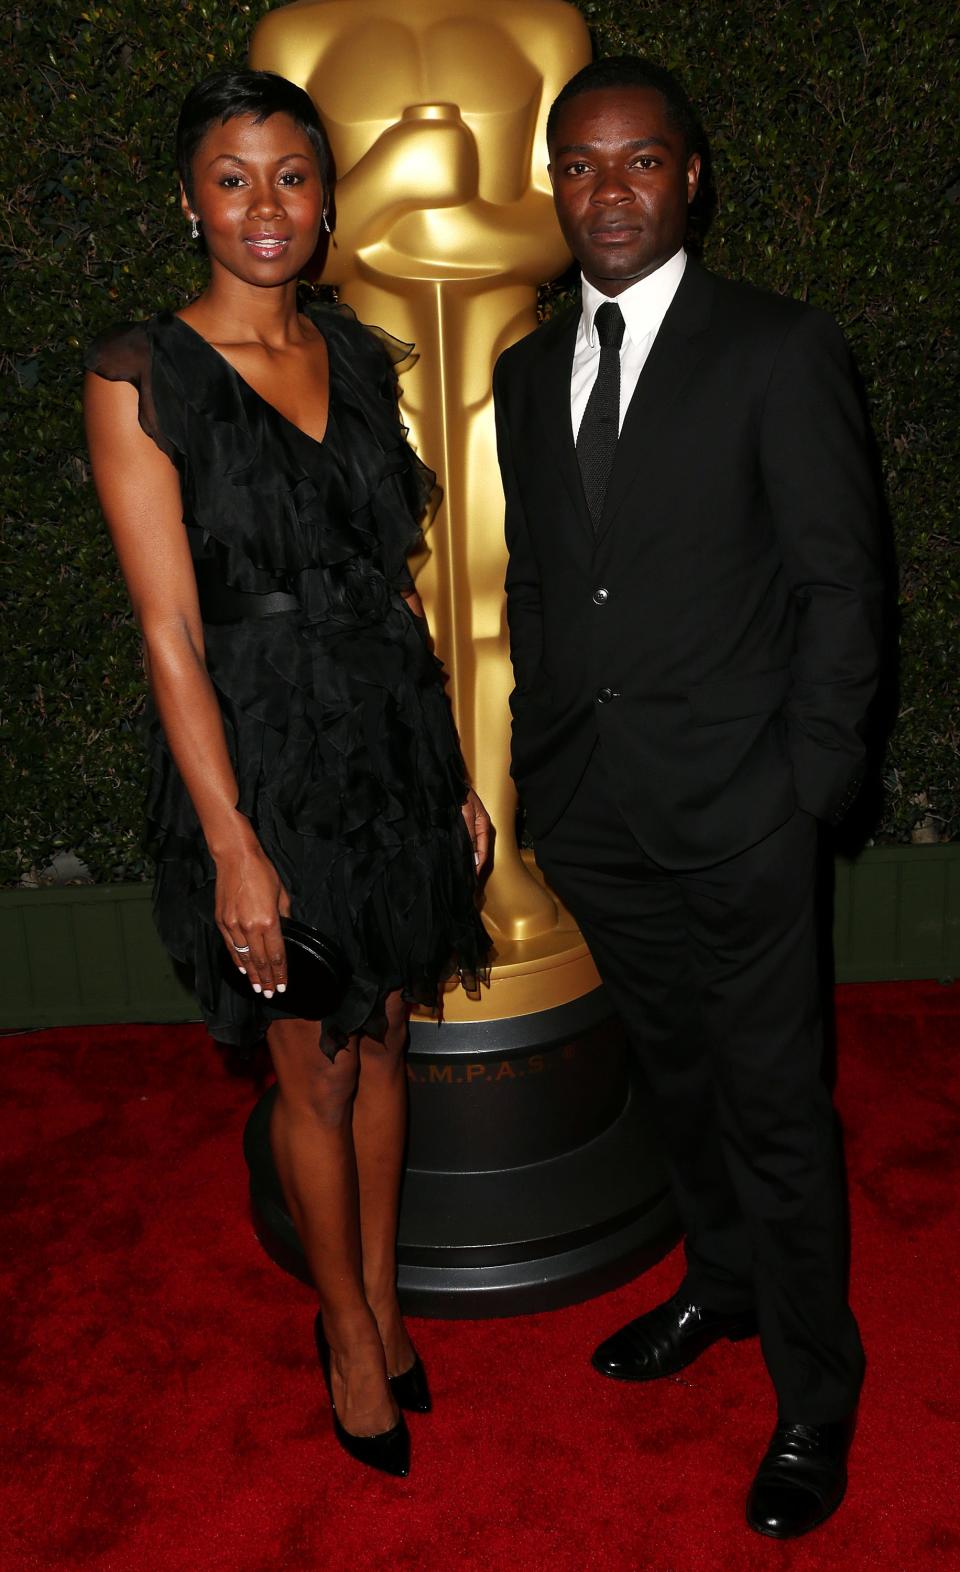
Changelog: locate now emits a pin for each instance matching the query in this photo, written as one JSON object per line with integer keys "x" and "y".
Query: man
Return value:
{"x": 693, "y": 597}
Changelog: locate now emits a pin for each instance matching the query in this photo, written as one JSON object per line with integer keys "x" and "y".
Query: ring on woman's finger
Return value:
{"x": 241, "y": 949}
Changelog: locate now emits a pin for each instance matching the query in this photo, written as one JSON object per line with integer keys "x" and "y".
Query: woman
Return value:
{"x": 253, "y": 473}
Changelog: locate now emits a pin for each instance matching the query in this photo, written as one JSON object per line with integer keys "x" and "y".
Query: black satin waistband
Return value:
{"x": 220, "y": 603}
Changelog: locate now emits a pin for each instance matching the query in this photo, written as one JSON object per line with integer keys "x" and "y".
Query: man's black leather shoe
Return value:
{"x": 668, "y": 1339}
{"x": 801, "y": 1480}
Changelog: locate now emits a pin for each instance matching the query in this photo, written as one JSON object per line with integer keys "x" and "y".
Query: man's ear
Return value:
{"x": 693, "y": 176}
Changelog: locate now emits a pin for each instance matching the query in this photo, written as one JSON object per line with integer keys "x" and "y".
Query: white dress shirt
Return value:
{"x": 644, "y": 306}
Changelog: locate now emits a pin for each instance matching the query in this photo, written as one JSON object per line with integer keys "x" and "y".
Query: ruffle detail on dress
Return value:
{"x": 335, "y": 715}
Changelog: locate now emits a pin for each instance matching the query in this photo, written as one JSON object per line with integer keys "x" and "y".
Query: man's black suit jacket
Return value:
{"x": 720, "y": 630}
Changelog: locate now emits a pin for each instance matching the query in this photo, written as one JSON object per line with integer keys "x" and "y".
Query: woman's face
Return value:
{"x": 258, "y": 195}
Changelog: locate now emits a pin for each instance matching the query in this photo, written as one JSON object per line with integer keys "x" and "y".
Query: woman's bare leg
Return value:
{"x": 311, "y": 1135}
{"x": 379, "y": 1134}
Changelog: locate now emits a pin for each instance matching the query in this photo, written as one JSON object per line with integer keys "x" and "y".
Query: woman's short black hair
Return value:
{"x": 634, "y": 71}
{"x": 227, "y": 94}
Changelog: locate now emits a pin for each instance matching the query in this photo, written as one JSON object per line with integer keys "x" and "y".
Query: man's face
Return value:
{"x": 622, "y": 183}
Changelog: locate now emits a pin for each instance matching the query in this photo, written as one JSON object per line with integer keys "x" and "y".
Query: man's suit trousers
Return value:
{"x": 714, "y": 972}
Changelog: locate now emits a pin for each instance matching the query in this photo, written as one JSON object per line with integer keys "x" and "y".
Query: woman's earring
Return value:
{"x": 326, "y": 223}
{"x": 194, "y": 227}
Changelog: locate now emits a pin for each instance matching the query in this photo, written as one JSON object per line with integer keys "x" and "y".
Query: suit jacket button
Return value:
{"x": 601, "y": 596}
{"x": 604, "y": 695}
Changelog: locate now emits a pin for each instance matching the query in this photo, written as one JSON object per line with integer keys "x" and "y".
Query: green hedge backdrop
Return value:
{"x": 835, "y": 153}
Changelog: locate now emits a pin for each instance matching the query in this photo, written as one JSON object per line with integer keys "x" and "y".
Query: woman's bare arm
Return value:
{"x": 139, "y": 493}
{"x": 412, "y": 598}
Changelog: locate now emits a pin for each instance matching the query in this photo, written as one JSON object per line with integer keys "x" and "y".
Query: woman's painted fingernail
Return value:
{"x": 281, "y": 987}
{"x": 242, "y": 970}
{"x": 268, "y": 993}
{"x": 257, "y": 988}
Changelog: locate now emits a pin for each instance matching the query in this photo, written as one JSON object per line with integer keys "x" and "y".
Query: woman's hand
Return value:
{"x": 477, "y": 820}
{"x": 250, "y": 901}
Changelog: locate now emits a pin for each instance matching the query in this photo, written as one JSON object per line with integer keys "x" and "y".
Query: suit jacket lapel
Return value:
{"x": 553, "y": 400}
{"x": 676, "y": 352}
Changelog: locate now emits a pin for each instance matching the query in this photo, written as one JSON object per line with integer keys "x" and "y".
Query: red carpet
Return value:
{"x": 164, "y": 1413}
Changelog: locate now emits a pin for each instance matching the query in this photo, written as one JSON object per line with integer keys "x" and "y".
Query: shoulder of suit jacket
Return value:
{"x": 541, "y": 338}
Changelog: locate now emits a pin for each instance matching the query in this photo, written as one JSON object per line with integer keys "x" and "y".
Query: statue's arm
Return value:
{"x": 414, "y": 164}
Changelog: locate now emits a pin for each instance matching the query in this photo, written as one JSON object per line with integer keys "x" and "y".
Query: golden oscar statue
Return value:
{"x": 533, "y": 1178}
{"x": 436, "y": 111}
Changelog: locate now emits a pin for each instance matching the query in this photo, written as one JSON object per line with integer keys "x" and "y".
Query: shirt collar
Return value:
{"x": 644, "y": 304}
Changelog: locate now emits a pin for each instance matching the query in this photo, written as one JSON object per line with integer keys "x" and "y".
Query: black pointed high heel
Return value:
{"x": 389, "y": 1451}
{"x": 410, "y": 1388}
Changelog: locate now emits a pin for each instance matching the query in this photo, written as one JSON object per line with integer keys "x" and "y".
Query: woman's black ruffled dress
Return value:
{"x": 335, "y": 714}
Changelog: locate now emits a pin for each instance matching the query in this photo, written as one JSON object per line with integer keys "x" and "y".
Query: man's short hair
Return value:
{"x": 634, "y": 71}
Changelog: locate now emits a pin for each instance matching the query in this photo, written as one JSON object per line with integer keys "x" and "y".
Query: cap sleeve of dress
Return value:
{"x": 125, "y": 354}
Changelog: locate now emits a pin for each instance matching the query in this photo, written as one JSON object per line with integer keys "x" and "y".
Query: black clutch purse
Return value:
{"x": 317, "y": 973}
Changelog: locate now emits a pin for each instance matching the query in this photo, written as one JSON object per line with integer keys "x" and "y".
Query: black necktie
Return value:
{"x": 600, "y": 426}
